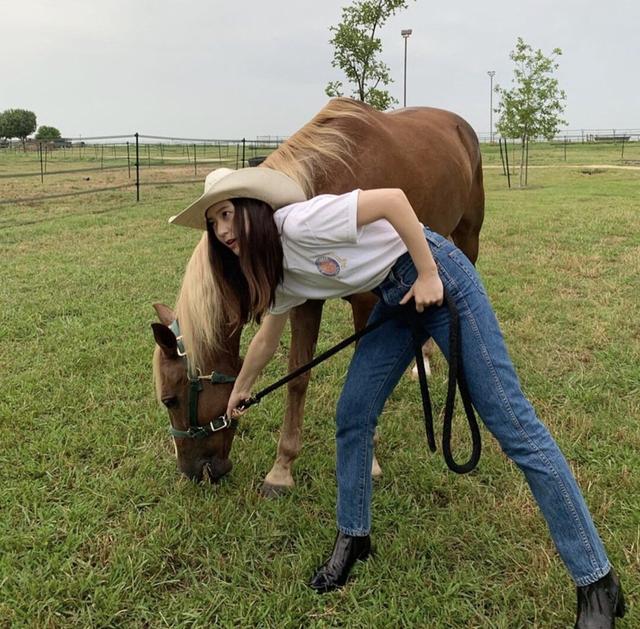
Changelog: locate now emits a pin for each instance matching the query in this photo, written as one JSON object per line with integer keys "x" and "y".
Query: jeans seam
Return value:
{"x": 514, "y": 419}
{"x": 453, "y": 256}
{"x": 365, "y": 436}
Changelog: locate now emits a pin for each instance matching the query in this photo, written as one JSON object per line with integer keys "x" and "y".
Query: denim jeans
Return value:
{"x": 381, "y": 358}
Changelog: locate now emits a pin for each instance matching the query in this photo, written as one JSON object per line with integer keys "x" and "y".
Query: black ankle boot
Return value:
{"x": 599, "y": 603}
{"x": 334, "y": 572}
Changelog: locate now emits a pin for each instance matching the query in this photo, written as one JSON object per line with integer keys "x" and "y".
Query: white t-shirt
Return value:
{"x": 326, "y": 255}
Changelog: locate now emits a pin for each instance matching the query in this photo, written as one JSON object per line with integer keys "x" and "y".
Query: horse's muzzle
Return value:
{"x": 212, "y": 469}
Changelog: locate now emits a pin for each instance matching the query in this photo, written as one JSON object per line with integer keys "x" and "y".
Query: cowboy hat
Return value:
{"x": 265, "y": 184}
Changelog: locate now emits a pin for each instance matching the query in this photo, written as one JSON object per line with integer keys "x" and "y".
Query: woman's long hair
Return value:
{"x": 248, "y": 281}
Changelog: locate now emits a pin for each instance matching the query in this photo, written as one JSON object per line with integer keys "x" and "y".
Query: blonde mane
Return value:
{"x": 311, "y": 152}
{"x": 305, "y": 157}
{"x": 199, "y": 308}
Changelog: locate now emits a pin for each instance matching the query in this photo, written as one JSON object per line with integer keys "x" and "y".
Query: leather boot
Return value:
{"x": 334, "y": 572}
{"x": 599, "y": 603}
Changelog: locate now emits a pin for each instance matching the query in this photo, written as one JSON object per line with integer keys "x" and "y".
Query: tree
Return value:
{"x": 356, "y": 48}
{"x": 535, "y": 104}
{"x": 47, "y": 133}
{"x": 18, "y": 123}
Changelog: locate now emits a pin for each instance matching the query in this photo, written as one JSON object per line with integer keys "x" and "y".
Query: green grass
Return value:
{"x": 98, "y": 530}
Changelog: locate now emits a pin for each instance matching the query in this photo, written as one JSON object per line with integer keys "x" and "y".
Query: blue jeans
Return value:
{"x": 381, "y": 358}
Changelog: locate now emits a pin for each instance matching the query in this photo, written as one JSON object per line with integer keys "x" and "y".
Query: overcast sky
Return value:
{"x": 234, "y": 68}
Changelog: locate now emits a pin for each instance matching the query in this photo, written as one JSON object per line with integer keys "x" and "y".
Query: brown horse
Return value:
{"x": 431, "y": 154}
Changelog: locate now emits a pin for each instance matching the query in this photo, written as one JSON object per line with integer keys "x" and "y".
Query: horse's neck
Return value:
{"x": 227, "y": 358}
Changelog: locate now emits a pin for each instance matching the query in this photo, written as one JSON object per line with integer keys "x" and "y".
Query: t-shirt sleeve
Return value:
{"x": 326, "y": 219}
{"x": 284, "y": 302}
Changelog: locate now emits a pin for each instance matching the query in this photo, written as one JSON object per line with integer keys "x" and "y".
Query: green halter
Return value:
{"x": 196, "y": 431}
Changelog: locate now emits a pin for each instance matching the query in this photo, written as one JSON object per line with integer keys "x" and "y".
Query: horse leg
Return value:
{"x": 361, "y": 306}
{"x": 428, "y": 350}
{"x": 305, "y": 323}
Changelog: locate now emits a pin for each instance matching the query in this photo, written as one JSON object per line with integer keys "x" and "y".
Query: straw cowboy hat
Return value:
{"x": 265, "y": 184}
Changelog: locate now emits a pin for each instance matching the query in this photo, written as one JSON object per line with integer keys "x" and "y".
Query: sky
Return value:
{"x": 247, "y": 68}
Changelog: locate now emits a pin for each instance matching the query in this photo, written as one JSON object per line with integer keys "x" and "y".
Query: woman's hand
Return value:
{"x": 262, "y": 347}
{"x": 427, "y": 291}
{"x": 235, "y": 400}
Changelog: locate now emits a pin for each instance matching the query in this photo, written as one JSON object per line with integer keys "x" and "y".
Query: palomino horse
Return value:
{"x": 431, "y": 154}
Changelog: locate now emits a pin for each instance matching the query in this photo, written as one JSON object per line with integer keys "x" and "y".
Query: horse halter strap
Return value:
{"x": 196, "y": 431}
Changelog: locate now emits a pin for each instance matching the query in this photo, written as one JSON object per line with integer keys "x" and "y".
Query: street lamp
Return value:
{"x": 491, "y": 74}
{"x": 405, "y": 32}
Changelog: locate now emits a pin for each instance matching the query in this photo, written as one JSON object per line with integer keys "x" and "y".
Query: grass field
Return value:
{"x": 98, "y": 530}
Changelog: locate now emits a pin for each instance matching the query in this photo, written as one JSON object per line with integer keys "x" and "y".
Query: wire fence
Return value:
{"x": 124, "y": 161}
{"x": 582, "y": 136}
{"x": 76, "y": 166}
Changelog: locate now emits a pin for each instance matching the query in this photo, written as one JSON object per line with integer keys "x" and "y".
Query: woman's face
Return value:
{"x": 221, "y": 216}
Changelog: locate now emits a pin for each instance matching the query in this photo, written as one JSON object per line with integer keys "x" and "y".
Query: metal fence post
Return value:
{"x": 506, "y": 155}
{"x": 195, "y": 161}
{"x": 41, "y": 164}
{"x": 128, "y": 160}
{"x": 137, "y": 167}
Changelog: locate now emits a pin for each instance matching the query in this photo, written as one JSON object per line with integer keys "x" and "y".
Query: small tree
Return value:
{"x": 18, "y": 123}
{"x": 356, "y": 48}
{"x": 534, "y": 106}
{"x": 47, "y": 133}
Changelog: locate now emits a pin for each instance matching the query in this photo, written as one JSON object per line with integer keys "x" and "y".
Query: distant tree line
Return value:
{"x": 21, "y": 123}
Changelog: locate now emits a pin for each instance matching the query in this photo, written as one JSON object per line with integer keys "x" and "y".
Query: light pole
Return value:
{"x": 491, "y": 74}
{"x": 405, "y": 32}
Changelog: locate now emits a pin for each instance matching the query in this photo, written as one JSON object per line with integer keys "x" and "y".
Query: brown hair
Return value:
{"x": 249, "y": 280}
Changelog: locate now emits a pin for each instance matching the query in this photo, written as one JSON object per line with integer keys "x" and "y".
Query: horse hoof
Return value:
{"x": 273, "y": 491}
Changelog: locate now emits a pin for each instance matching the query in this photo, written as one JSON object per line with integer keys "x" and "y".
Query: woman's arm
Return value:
{"x": 393, "y": 205}
{"x": 262, "y": 347}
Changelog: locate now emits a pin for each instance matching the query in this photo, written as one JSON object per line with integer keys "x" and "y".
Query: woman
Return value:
{"x": 274, "y": 250}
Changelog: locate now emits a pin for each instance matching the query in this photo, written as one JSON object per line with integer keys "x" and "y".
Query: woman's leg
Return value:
{"x": 380, "y": 359}
{"x": 498, "y": 398}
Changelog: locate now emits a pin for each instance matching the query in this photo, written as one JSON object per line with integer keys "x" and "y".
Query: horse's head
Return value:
{"x": 196, "y": 402}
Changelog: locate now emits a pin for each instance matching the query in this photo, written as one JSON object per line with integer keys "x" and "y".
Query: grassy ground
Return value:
{"x": 98, "y": 530}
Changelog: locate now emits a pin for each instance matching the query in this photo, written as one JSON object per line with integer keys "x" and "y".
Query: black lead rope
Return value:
{"x": 456, "y": 376}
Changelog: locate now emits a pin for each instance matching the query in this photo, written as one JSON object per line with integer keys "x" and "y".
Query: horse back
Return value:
{"x": 433, "y": 155}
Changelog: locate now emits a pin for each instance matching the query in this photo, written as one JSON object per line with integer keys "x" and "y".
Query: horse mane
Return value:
{"x": 305, "y": 157}
{"x": 311, "y": 152}
{"x": 199, "y": 308}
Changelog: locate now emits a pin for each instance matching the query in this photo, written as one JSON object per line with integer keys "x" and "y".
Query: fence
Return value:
{"x": 120, "y": 161}
{"x": 76, "y": 166}
{"x": 578, "y": 136}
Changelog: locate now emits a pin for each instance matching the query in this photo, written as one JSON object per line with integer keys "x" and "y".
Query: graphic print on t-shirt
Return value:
{"x": 329, "y": 264}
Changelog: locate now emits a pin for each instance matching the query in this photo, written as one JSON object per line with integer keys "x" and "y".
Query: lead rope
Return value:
{"x": 456, "y": 376}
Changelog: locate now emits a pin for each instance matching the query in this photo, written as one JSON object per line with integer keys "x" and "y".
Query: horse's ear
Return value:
{"x": 165, "y": 339}
{"x": 165, "y": 314}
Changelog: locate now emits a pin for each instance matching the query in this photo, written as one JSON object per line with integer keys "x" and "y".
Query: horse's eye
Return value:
{"x": 170, "y": 402}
